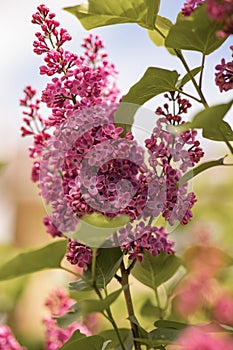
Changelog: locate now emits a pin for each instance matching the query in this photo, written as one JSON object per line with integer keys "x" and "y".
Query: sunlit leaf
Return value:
{"x": 158, "y": 36}
{"x": 196, "y": 32}
{"x": 97, "y": 13}
{"x": 48, "y": 257}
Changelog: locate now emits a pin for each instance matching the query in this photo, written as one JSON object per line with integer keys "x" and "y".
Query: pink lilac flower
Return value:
{"x": 195, "y": 338}
{"x": 184, "y": 151}
{"x": 83, "y": 163}
{"x": 224, "y": 76}
{"x": 135, "y": 240}
{"x": 223, "y": 309}
{"x": 101, "y": 172}
{"x": 59, "y": 304}
{"x": 7, "y": 340}
{"x": 189, "y": 6}
{"x": 86, "y": 80}
{"x": 193, "y": 293}
{"x": 79, "y": 254}
{"x": 34, "y": 125}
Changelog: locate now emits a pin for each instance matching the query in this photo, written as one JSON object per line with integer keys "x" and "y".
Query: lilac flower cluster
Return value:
{"x": 170, "y": 156}
{"x": 189, "y": 6}
{"x": 59, "y": 304}
{"x": 79, "y": 82}
{"x": 86, "y": 80}
{"x": 7, "y": 339}
{"x": 135, "y": 240}
{"x": 79, "y": 254}
{"x": 34, "y": 125}
{"x": 85, "y": 166}
{"x": 101, "y": 172}
{"x": 224, "y": 76}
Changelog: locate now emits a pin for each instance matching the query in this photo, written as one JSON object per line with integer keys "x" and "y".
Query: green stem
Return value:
{"x": 114, "y": 325}
{"x": 182, "y": 59}
{"x": 109, "y": 315}
{"x": 93, "y": 264}
{"x": 188, "y": 95}
{"x": 202, "y": 70}
{"x": 131, "y": 266}
{"x": 110, "y": 318}
{"x": 129, "y": 303}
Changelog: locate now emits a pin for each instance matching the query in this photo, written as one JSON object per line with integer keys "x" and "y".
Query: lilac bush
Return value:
{"x": 113, "y": 203}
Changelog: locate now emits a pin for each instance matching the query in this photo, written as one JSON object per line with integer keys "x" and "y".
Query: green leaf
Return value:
{"x": 155, "y": 270}
{"x": 170, "y": 324}
{"x": 48, "y": 257}
{"x": 210, "y": 120}
{"x": 199, "y": 169}
{"x": 124, "y": 116}
{"x": 187, "y": 77}
{"x": 76, "y": 336}
{"x": 164, "y": 335}
{"x": 67, "y": 319}
{"x": 85, "y": 307}
{"x": 94, "y": 342}
{"x": 97, "y": 13}
{"x": 152, "y": 343}
{"x": 82, "y": 295}
{"x": 150, "y": 310}
{"x": 107, "y": 264}
{"x": 196, "y": 32}
{"x": 154, "y": 82}
{"x": 163, "y": 25}
{"x": 110, "y": 334}
{"x": 90, "y": 306}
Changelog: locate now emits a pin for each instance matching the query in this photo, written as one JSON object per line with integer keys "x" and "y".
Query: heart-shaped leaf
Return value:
{"x": 155, "y": 270}
{"x": 97, "y": 13}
